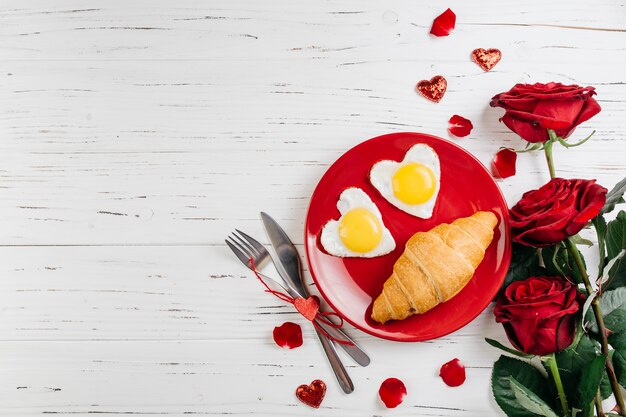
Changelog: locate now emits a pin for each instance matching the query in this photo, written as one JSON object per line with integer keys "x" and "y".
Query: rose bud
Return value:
{"x": 531, "y": 109}
{"x": 557, "y": 210}
{"x": 539, "y": 314}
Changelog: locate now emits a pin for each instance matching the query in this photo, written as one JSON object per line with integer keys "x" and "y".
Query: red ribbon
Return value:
{"x": 308, "y": 308}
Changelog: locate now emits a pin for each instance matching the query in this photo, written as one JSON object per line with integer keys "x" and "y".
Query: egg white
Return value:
{"x": 349, "y": 199}
{"x": 381, "y": 177}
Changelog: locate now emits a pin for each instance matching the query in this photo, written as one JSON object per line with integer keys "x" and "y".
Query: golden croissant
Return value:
{"x": 435, "y": 266}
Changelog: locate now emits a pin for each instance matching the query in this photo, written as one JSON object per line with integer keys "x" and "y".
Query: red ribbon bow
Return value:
{"x": 308, "y": 307}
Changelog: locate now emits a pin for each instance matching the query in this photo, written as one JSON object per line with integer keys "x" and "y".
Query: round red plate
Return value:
{"x": 349, "y": 285}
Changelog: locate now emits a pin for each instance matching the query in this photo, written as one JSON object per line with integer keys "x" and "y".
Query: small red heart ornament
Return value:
{"x": 486, "y": 58}
{"x": 433, "y": 89}
{"x": 312, "y": 394}
{"x": 308, "y": 307}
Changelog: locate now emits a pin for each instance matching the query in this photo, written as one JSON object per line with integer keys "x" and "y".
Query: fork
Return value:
{"x": 246, "y": 247}
{"x": 244, "y": 251}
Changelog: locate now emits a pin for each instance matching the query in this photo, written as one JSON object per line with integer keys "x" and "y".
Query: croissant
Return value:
{"x": 434, "y": 266}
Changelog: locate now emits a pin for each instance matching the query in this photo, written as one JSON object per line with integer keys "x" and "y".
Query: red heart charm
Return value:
{"x": 433, "y": 89}
{"x": 486, "y": 58}
{"x": 312, "y": 394}
{"x": 308, "y": 307}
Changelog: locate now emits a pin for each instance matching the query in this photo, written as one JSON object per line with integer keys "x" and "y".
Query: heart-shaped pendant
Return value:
{"x": 486, "y": 58}
{"x": 308, "y": 307}
{"x": 312, "y": 394}
{"x": 433, "y": 89}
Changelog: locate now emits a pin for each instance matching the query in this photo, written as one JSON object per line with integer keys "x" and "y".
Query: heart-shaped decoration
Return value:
{"x": 486, "y": 58}
{"x": 433, "y": 89}
{"x": 308, "y": 307}
{"x": 312, "y": 394}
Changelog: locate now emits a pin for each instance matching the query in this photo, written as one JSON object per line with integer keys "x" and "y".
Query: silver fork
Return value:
{"x": 246, "y": 247}
{"x": 244, "y": 251}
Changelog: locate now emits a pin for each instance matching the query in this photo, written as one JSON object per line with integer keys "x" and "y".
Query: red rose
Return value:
{"x": 533, "y": 108}
{"x": 539, "y": 314}
{"x": 559, "y": 209}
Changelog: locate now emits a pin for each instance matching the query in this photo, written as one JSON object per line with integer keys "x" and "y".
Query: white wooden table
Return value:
{"x": 134, "y": 135}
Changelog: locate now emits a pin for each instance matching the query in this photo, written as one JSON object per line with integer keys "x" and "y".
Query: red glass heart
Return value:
{"x": 308, "y": 307}
{"x": 288, "y": 335}
{"x": 392, "y": 392}
{"x": 459, "y": 126}
{"x": 312, "y": 394}
{"x": 486, "y": 58}
{"x": 433, "y": 89}
{"x": 503, "y": 163}
{"x": 453, "y": 373}
{"x": 443, "y": 24}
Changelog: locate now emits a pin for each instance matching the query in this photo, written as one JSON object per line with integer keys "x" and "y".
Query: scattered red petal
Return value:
{"x": 486, "y": 58}
{"x": 312, "y": 394}
{"x": 453, "y": 373}
{"x": 289, "y": 335}
{"x": 392, "y": 392}
{"x": 433, "y": 89}
{"x": 308, "y": 307}
{"x": 459, "y": 126}
{"x": 503, "y": 163}
{"x": 444, "y": 23}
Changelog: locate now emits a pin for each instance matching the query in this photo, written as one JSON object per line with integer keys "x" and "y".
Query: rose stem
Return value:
{"x": 547, "y": 148}
{"x": 598, "y": 401}
{"x": 595, "y": 305}
{"x": 573, "y": 250}
{"x": 554, "y": 370}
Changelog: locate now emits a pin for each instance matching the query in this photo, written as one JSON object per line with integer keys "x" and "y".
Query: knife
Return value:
{"x": 290, "y": 269}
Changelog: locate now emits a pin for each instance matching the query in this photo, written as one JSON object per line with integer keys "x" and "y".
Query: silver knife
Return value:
{"x": 290, "y": 268}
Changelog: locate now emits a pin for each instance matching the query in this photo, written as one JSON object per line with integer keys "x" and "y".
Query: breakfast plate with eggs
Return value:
{"x": 390, "y": 192}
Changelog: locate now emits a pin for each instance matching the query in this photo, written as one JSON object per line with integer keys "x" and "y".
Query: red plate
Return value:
{"x": 349, "y": 285}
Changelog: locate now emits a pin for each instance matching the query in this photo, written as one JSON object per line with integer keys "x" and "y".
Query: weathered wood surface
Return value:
{"x": 134, "y": 135}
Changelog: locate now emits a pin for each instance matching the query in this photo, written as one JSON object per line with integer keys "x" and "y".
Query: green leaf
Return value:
{"x": 529, "y": 400}
{"x": 619, "y": 363}
{"x": 558, "y": 261}
{"x": 573, "y": 360}
{"x": 600, "y": 225}
{"x": 500, "y": 346}
{"x": 504, "y": 370}
{"x": 615, "y": 243}
{"x": 616, "y": 235}
{"x": 615, "y": 277}
{"x": 613, "y": 307}
{"x": 577, "y": 239}
{"x": 589, "y": 382}
{"x": 615, "y": 196}
{"x": 524, "y": 264}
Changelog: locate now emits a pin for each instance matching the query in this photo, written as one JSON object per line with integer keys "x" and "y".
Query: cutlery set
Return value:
{"x": 286, "y": 261}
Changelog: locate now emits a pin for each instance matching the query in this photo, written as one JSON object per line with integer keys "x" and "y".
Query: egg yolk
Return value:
{"x": 414, "y": 183}
{"x": 360, "y": 230}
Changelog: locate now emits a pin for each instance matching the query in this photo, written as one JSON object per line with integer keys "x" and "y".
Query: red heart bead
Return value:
{"x": 308, "y": 307}
{"x": 486, "y": 58}
{"x": 312, "y": 394}
{"x": 433, "y": 89}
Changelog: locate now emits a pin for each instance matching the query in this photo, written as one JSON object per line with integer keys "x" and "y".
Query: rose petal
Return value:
{"x": 459, "y": 126}
{"x": 444, "y": 23}
{"x": 392, "y": 392}
{"x": 503, "y": 164}
{"x": 288, "y": 335}
{"x": 453, "y": 373}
